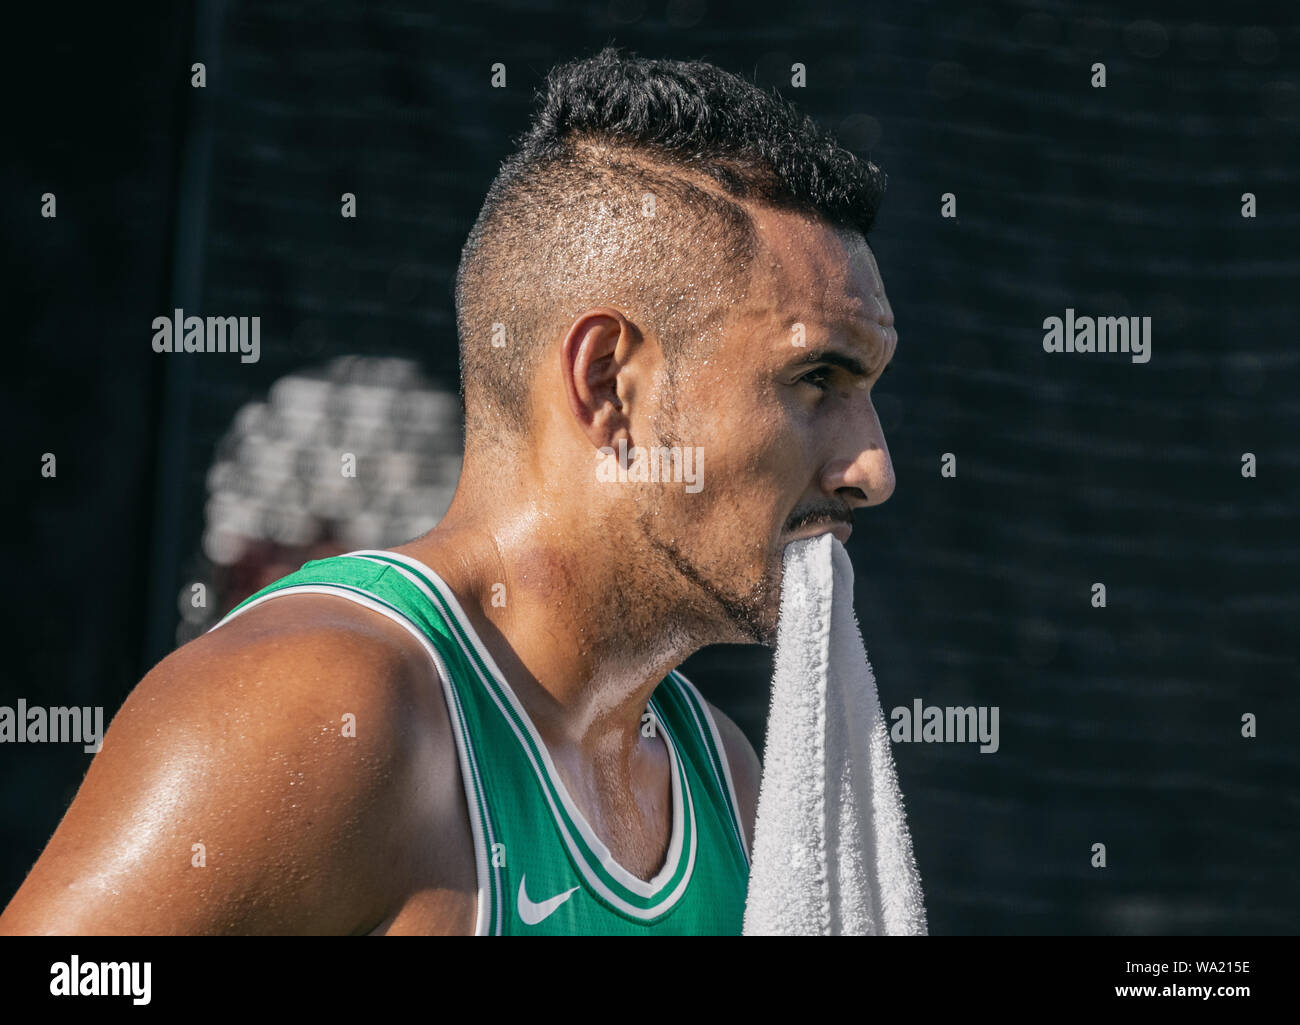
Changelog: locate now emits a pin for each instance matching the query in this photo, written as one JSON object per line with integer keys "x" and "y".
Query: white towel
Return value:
{"x": 832, "y": 853}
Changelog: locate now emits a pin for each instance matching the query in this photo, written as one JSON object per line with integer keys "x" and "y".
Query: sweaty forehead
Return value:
{"x": 807, "y": 267}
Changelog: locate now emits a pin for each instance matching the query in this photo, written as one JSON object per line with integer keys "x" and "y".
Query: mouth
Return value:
{"x": 840, "y": 529}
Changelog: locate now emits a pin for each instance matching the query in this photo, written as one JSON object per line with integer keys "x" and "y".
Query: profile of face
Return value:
{"x": 781, "y": 410}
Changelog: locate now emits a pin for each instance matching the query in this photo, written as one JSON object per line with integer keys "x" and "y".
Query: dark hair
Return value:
{"x": 627, "y": 190}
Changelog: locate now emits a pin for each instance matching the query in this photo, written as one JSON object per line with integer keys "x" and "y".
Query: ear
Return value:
{"x": 600, "y": 383}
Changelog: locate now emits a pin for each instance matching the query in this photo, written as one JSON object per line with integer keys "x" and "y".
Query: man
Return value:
{"x": 481, "y": 731}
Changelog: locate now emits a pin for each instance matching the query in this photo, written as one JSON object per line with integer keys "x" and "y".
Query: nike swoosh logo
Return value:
{"x": 532, "y": 912}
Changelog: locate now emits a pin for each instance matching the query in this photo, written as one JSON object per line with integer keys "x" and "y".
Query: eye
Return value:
{"x": 819, "y": 378}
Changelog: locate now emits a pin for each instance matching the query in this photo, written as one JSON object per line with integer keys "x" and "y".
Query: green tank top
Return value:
{"x": 541, "y": 868}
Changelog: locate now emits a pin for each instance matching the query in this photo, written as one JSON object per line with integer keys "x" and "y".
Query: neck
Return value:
{"x": 578, "y": 643}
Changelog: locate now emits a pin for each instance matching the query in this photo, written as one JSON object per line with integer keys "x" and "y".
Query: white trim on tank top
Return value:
{"x": 681, "y": 803}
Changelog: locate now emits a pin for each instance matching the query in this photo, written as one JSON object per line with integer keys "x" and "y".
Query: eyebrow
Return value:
{"x": 834, "y": 358}
{"x": 867, "y": 332}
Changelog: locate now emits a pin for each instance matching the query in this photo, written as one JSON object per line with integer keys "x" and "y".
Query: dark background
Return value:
{"x": 1118, "y": 725}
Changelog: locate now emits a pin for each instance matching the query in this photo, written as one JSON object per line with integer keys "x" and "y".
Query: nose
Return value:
{"x": 864, "y": 476}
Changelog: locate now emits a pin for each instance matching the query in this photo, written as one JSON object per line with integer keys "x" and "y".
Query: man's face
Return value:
{"x": 781, "y": 408}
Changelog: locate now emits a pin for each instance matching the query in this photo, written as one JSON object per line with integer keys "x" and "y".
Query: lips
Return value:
{"x": 839, "y": 528}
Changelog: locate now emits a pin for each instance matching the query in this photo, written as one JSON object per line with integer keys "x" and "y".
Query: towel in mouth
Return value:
{"x": 832, "y": 852}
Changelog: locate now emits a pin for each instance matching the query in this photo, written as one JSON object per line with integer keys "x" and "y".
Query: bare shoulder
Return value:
{"x": 259, "y": 779}
{"x": 746, "y": 769}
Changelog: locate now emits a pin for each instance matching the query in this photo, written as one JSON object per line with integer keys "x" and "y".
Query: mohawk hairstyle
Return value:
{"x": 628, "y": 189}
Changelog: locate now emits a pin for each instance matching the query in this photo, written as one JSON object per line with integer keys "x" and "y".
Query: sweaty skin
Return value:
{"x": 233, "y": 742}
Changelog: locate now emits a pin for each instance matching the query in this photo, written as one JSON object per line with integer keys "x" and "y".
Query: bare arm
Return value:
{"x": 237, "y": 742}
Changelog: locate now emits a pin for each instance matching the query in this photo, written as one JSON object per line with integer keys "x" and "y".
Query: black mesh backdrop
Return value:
{"x": 1119, "y": 725}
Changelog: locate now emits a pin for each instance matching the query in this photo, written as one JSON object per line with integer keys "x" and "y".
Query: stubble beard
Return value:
{"x": 719, "y": 613}
{"x": 712, "y": 613}
{"x": 724, "y": 615}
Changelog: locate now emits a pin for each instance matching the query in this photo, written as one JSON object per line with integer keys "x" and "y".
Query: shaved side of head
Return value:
{"x": 630, "y": 189}
{"x": 599, "y": 225}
